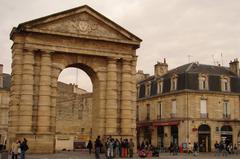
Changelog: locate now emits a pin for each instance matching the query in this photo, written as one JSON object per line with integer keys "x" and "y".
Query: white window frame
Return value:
{"x": 226, "y": 108}
{"x": 160, "y": 86}
{"x": 148, "y": 88}
{"x": 174, "y": 83}
{"x": 203, "y": 106}
{"x": 225, "y": 80}
{"x": 160, "y": 109}
{"x": 203, "y": 79}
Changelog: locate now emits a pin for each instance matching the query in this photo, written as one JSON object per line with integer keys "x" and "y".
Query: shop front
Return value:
{"x": 226, "y": 134}
{"x": 144, "y": 132}
{"x": 167, "y": 132}
{"x": 204, "y": 138}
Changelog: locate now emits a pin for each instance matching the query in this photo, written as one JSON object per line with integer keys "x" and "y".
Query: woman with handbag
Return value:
{"x": 14, "y": 149}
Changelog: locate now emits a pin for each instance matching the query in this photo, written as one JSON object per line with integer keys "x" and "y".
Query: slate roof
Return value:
{"x": 201, "y": 68}
{"x": 196, "y": 68}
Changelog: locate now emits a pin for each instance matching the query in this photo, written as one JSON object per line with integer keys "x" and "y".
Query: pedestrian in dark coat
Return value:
{"x": 90, "y": 146}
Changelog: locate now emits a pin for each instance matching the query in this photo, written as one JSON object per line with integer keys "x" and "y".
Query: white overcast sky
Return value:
{"x": 171, "y": 29}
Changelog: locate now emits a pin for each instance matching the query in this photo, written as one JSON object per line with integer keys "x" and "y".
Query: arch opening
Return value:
{"x": 226, "y": 134}
{"x": 74, "y": 107}
{"x": 204, "y": 138}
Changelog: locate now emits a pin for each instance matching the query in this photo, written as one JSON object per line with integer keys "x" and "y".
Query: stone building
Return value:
{"x": 191, "y": 103}
{"x": 81, "y": 38}
{"x": 4, "y": 100}
{"x": 73, "y": 118}
{"x": 73, "y": 114}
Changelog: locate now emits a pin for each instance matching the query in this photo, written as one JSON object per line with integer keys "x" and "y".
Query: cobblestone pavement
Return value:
{"x": 85, "y": 155}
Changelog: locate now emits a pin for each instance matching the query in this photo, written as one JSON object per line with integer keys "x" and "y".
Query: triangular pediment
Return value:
{"x": 80, "y": 22}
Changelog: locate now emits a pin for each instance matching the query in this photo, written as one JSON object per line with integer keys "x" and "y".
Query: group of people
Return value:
{"x": 19, "y": 147}
{"x": 145, "y": 150}
{"x": 112, "y": 147}
{"x": 225, "y": 148}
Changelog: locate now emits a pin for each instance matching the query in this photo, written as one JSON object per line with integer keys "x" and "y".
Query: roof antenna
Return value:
{"x": 189, "y": 57}
{"x": 222, "y": 58}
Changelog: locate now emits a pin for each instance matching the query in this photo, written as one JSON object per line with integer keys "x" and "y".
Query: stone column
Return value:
{"x": 44, "y": 103}
{"x": 37, "y": 67}
{"x": 54, "y": 74}
{"x": 111, "y": 98}
{"x": 26, "y": 99}
{"x": 15, "y": 91}
{"x": 126, "y": 105}
{"x": 134, "y": 102}
{"x": 99, "y": 109}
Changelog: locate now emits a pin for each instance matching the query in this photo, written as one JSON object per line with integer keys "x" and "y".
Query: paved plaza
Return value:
{"x": 85, "y": 155}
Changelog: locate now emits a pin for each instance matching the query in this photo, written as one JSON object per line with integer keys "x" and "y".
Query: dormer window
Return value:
{"x": 138, "y": 91}
{"x": 203, "y": 82}
{"x": 148, "y": 88}
{"x": 160, "y": 86}
{"x": 174, "y": 82}
{"x": 225, "y": 83}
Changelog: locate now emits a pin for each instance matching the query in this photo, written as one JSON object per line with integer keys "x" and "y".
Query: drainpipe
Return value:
{"x": 187, "y": 120}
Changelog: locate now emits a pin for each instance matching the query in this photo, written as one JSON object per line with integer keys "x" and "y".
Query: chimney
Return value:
{"x": 1, "y": 75}
{"x": 140, "y": 75}
{"x": 234, "y": 66}
{"x": 161, "y": 68}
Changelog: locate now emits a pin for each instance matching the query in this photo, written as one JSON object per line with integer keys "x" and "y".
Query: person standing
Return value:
{"x": 98, "y": 145}
{"x": 14, "y": 149}
{"x": 90, "y": 146}
{"x": 110, "y": 145}
{"x": 217, "y": 148}
{"x": 195, "y": 148}
{"x": 117, "y": 148}
{"x": 23, "y": 147}
{"x": 131, "y": 146}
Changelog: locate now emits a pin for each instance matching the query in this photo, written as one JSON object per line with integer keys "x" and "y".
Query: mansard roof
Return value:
{"x": 195, "y": 68}
{"x": 201, "y": 68}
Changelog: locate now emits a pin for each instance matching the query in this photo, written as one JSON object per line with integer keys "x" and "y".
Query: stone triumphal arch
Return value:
{"x": 81, "y": 38}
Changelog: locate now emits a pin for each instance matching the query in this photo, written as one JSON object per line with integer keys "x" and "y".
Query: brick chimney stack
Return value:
{"x": 161, "y": 68}
{"x": 234, "y": 66}
{"x": 1, "y": 75}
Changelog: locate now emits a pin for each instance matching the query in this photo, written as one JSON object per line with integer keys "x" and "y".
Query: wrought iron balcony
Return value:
{"x": 226, "y": 116}
{"x": 204, "y": 115}
{"x": 147, "y": 118}
{"x": 173, "y": 115}
{"x": 159, "y": 117}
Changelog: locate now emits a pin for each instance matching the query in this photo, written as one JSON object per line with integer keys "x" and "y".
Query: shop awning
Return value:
{"x": 144, "y": 124}
{"x": 167, "y": 123}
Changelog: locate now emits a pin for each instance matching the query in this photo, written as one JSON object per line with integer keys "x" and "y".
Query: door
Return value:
{"x": 204, "y": 138}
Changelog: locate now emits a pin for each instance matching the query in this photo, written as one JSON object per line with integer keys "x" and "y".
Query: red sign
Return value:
{"x": 170, "y": 123}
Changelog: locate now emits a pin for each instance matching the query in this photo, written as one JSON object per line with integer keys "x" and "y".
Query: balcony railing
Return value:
{"x": 226, "y": 116}
{"x": 204, "y": 115}
{"x": 173, "y": 115}
{"x": 147, "y": 118}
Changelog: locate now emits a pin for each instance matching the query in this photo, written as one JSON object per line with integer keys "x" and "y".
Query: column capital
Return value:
{"x": 45, "y": 51}
{"x": 127, "y": 59}
{"x": 112, "y": 59}
{"x": 26, "y": 49}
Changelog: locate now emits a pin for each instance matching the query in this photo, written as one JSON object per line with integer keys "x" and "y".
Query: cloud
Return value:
{"x": 170, "y": 29}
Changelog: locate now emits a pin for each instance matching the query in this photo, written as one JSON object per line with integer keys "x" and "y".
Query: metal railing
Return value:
{"x": 226, "y": 116}
{"x": 204, "y": 115}
{"x": 173, "y": 115}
